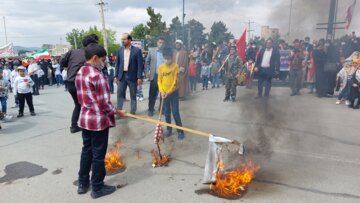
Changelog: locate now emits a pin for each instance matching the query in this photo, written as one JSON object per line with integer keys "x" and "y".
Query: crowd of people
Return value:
{"x": 88, "y": 75}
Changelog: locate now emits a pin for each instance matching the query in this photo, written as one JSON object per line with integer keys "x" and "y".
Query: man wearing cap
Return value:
{"x": 181, "y": 58}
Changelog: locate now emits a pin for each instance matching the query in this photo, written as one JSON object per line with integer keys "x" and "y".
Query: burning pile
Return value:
{"x": 160, "y": 161}
{"x": 232, "y": 184}
{"x": 113, "y": 160}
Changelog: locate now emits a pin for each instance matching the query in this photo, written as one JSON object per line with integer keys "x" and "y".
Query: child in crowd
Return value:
{"x": 4, "y": 88}
{"x": 193, "y": 75}
{"x": 64, "y": 76}
{"x": 205, "y": 74}
{"x": 22, "y": 88}
{"x": 215, "y": 66}
{"x": 354, "y": 95}
{"x": 345, "y": 76}
{"x": 168, "y": 74}
{"x": 13, "y": 76}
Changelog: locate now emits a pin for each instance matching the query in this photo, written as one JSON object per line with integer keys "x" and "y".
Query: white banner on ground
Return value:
{"x": 7, "y": 50}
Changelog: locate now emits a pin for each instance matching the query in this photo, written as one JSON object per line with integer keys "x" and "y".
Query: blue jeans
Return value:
{"x": 344, "y": 94}
{"x": 265, "y": 76}
{"x": 92, "y": 157}
{"x": 193, "y": 81}
{"x": 111, "y": 84}
{"x": 216, "y": 80}
{"x": 3, "y": 104}
{"x": 124, "y": 82}
{"x": 171, "y": 105}
{"x": 59, "y": 80}
{"x": 205, "y": 81}
{"x": 139, "y": 92}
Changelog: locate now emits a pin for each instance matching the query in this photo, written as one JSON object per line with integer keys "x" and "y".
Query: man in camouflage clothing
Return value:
{"x": 232, "y": 70}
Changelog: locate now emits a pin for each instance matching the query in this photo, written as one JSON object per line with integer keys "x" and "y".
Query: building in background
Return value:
{"x": 56, "y": 49}
{"x": 268, "y": 32}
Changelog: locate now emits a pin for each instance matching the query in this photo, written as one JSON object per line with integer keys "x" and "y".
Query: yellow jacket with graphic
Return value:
{"x": 168, "y": 78}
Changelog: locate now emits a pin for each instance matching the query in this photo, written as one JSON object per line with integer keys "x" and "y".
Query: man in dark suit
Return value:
{"x": 129, "y": 71}
{"x": 266, "y": 66}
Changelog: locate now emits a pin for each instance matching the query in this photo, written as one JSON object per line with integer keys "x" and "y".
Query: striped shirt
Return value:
{"x": 97, "y": 111}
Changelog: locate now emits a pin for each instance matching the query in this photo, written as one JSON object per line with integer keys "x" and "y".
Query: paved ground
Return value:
{"x": 308, "y": 149}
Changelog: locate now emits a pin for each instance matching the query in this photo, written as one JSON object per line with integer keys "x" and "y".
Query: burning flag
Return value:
{"x": 113, "y": 160}
{"x": 232, "y": 184}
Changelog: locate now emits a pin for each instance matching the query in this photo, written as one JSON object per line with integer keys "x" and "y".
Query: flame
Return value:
{"x": 157, "y": 162}
{"x": 113, "y": 160}
{"x": 232, "y": 184}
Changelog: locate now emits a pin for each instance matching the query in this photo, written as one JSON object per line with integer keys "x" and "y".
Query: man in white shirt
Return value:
{"x": 266, "y": 67}
{"x": 129, "y": 71}
{"x": 33, "y": 70}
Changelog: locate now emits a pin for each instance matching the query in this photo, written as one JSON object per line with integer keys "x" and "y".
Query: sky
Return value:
{"x": 32, "y": 23}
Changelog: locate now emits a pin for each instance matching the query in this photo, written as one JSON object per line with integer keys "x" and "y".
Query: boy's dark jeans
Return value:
{"x": 92, "y": 157}
{"x": 171, "y": 105}
{"x": 29, "y": 101}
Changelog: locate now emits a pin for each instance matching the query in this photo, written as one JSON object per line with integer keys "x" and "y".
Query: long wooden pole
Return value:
{"x": 168, "y": 124}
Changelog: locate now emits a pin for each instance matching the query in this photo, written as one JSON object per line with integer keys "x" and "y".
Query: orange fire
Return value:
{"x": 232, "y": 184}
{"x": 113, "y": 159}
{"x": 158, "y": 162}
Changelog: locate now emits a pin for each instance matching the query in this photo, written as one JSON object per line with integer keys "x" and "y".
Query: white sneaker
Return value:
{"x": 141, "y": 99}
{"x": 347, "y": 103}
{"x": 338, "y": 102}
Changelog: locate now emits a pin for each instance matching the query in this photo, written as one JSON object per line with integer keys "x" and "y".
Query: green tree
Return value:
{"x": 75, "y": 35}
{"x": 155, "y": 27}
{"x": 138, "y": 32}
{"x": 219, "y": 32}
{"x": 176, "y": 28}
{"x": 196, "y": 31}
{"x": 79, "y": 35}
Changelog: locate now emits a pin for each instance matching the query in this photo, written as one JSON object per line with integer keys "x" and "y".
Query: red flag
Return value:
{"x": 241, "y": 46}
{"x": 349, "y": 15}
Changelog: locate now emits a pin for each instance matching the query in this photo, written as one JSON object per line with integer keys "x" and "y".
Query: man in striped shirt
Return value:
{"x": 96, "y": 117}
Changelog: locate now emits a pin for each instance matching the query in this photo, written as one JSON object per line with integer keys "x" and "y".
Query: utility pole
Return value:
{"x": 6, "y": 39}
{"x": 75, "y": 35}
{"x": 183, "y": 20}
{"x": 249, "y": 29}
{"x": 290, "y": 14}
{"x": 102, "y": 4}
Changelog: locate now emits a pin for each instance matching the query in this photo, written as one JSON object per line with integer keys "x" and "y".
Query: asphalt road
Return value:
{"x": 308, "y": 150}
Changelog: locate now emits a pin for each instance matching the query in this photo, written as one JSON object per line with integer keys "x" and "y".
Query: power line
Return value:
{"x": 249, "y": 31}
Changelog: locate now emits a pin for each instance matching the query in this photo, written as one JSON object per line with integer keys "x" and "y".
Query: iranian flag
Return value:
{"x": 42, "y": 54}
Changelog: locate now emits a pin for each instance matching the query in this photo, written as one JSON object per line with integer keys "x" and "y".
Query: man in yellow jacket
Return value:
{"x": 168, "y": 77}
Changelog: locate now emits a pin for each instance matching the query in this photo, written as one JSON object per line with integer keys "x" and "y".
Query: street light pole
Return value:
{"x": 183, "y": 20}
{"x": 102, "y": 4}
{"x": 6, "y": 38}
{"x": 289, "y": 31}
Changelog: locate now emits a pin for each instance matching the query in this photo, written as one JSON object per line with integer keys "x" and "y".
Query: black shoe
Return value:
{"x": 150, "y": 113}
{"x": 226, "y": 99}
{"x": 75, "y": 129}
{"x": 105, "y": 190}
{"x": 82, "y": 189}
{"x": 298, "y": 93}
{"x": 233, "y": 99}
{"x": 20, "y": 115}
{"x": 32, "y": 113}
{"x": 292, "y": 94}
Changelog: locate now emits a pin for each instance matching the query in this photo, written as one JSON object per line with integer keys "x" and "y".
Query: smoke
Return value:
{"x": 306, "y": 14}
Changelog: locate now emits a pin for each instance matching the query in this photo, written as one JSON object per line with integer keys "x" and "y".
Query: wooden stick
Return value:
{"x": 168, "y": 124}
{"x": 160, "y": 113}
{"x": 227, "y": 58}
